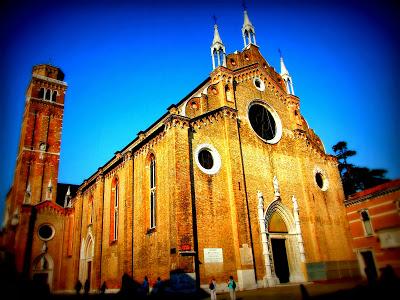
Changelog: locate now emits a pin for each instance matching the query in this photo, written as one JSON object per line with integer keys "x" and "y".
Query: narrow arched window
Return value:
{"x": 366, "y": 220}
{"x": 216, "y": 57}
{"x": 114, "y": 210}
{"x": 90, "y": 210}
{"x": 48, "y": 94}
{"x": 54, "y": 96}
{"x": 252, "y": 37}
{"x": 41, "y": 93}
{"x": 152, "y": 192}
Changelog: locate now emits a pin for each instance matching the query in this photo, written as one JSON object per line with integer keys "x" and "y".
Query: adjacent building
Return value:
{"x": 374, "y": 218}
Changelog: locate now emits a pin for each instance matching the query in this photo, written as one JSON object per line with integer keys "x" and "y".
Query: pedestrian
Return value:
{"x": 87, "y": 286}
{"x": 103, "y": 288}
{"x": 213, "y": 289}
{"x": 78, "y": 286}
{"x": 145, "y": 286}
{"x": 232, "y": 287}
{"x": 304, "y": 293}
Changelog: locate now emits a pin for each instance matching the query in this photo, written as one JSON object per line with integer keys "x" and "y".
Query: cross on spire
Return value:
{"x": 244, "y": 5}
{"x": 215, "y": 19}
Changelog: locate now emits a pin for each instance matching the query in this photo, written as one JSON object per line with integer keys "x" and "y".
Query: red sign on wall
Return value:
{"x": 185, "y": 247}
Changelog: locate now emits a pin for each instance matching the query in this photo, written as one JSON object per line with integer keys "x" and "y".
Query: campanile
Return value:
{"x": 36, "y": 171}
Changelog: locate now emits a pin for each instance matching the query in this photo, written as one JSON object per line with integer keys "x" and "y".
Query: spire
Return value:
{"x": 248, "y": 31}
{"x": 286, "y": 76}
{"x": 217, "y": 48}
{"x": 67, "y": 197}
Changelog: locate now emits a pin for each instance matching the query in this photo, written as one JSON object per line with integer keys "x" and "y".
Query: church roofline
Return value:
{"x": 136, "y": 142}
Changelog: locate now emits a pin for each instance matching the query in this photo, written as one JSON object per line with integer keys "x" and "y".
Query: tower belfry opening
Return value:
{"x": 248, "y": 31}
{"x": 218, "y": 53}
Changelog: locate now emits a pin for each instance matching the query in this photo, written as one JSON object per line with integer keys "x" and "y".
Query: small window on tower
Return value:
{"x": 41, "y": 93}
{"x": 54, "y": 96}
{"x": 48, "y": 95}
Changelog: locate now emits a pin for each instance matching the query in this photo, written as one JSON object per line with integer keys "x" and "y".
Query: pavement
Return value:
{"x": 340, "y": 290}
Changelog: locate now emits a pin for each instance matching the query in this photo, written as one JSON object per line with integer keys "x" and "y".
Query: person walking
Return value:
{"x": 78, "y": 286}
{"x": 213, "y": 289}
{"x": 103, "y": 288}
{"x": 87, "y": 286}
{"x": 232, "y": 287}
{"x": 146, "y": 286}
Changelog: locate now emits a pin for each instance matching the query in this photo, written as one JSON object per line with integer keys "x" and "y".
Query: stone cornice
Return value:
{"x": 63, "y": 83}
{"x": 175, "y": 120}
{"x": 48, "y": 103}
{"x": 299, "y": 134}
{"x": 212, "y": 116}
{"x": 51, "y": 207}
{"x": 252, "y": 71}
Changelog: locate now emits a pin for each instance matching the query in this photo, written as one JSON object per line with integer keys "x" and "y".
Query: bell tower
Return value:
{"x": 39, "y": 147}
{"x": 36, "y": 171}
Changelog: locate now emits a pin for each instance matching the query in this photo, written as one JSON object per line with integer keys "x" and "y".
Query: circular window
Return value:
{"x": 259, "y": 84}
{"x": 320, "y": 179}
{"x": 265, "y": 122}
{"x": 46, "y": 232}
{"x": 233, "y": 62}
{"x": 208, "y": 159}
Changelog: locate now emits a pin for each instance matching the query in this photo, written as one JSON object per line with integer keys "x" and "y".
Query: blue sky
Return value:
{"x": 127, "y": 61}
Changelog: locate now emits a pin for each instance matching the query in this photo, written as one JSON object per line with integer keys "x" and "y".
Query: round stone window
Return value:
{"x": 46, "y": 232}
{"x": 207, "y": 159}
{"x": 259, "y": 84}
{"x": 320, "y": 179}
{"x": 265, "y": 122}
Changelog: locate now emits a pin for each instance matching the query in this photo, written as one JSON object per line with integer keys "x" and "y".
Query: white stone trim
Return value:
{"x": 262, "y": 84}
{"x": 325, "y": 181}
{"x": 215, "y": 155}
{"x": 50, "y": 79}
{"x": 278, "y": 122}
{"x": 52, "y": 228}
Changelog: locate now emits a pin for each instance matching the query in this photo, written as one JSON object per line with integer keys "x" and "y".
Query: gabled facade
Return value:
{"x": 229, "y": 181}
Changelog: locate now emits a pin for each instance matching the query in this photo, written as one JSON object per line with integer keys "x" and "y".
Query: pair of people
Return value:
{"x": 231, "y": 286}
{"x": 86, "y": 287}
{"x": 157, "y": 288}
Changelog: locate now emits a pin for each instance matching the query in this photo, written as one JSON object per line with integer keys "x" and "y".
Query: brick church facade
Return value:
{"x": 229, "y": 181}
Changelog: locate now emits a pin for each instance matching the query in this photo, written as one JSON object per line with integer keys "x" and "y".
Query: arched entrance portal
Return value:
{"x": 278, "y": 233}
{"x": 283, "y": 240}
{"x": 87, "y": 253}
{"x": 42, "y": 272}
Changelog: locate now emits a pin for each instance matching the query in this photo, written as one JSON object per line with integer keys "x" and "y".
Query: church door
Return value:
{"x": 40, "y": 279}
{"x": 370, "y": 268}
{"x": 89, "y": 270}
{"x": 280, "y": 259}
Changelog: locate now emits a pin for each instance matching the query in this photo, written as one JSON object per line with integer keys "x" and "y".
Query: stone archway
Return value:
{"x": 87, "y": 254}
{"x": 283, "y": 236}
{"x": 42, "y": 270}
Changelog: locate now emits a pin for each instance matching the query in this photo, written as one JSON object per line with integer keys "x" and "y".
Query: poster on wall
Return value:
{"x": 389, "y": 238}
{"x": 213, "y": 255}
